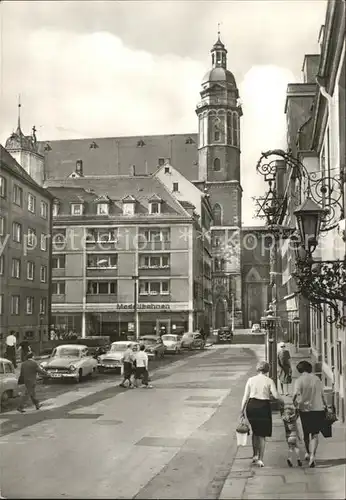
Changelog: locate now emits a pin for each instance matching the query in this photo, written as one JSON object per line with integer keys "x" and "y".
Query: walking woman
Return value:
{"x": 309, "y": 398}
{"x": 256, "y": 406}
{"x": 285, "y": 373}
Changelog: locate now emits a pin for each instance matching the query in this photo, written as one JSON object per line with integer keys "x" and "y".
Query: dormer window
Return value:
{"x": 155, "y": 208}
{"x": 167, "y": 170}
{"x": 155, "y": 204}
{"x": 102, "y": 209}
{"x": 129, "y": 205}
{"x": 55, "y": 209}
{"x": 76, "y": 208}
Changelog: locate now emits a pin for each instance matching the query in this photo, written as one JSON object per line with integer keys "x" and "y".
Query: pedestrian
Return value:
{"x": 285, "y": 373}
{"x": 142, "y": 362}
{"x": 256, "y": 407}
{"x": 308, "y": 397}
{"x": 128, "y": 359}
{"x": 290, "y": 415}
{"x": 11, "y": 348}
{"x": 28, "y": 373}
{"x": 25, "y": 349}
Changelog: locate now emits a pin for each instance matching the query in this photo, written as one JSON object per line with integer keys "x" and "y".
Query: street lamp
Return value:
{"x": 135, "y": 304}
{"x": 309, "y": 217}
{"x": 269, "y": 322}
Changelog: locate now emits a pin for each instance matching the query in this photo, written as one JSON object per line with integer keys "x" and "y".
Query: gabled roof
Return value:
{"x": 8, "y": 163}
{"x": 140, "y": 189}
{"x": 129, "y": 199}
{"x": 103, "y": 198}
{"x": 115, "y": 155}
{"x": 155, "y": 198}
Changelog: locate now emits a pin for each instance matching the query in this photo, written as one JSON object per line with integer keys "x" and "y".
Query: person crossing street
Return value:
{"x": 28, "y": 373}
{"x": 128, "y": 360}
{"x": 142, "y": 362}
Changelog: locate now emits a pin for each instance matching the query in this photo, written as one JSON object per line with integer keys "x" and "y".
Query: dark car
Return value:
{"x": 154, "y": 346}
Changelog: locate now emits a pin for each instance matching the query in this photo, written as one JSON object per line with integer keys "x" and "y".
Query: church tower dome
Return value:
{"x": 24, "y": 149}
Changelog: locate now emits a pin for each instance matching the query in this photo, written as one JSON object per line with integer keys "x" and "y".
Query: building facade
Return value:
{"x": 209, "y": 163}
{"x": 316, "y": 119}
{"x": 128, "y": 256}
{"x": 25, "y": 229}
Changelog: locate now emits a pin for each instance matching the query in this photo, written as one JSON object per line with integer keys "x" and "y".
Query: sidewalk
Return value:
{"x": 276, "y": 479}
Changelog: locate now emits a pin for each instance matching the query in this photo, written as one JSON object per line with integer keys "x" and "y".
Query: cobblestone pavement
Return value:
{"x": 173, "y": 441}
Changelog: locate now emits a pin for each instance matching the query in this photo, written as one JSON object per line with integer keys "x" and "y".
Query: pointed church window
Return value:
{"x": 217, "y": 165}
{"x": 217, "y": 215}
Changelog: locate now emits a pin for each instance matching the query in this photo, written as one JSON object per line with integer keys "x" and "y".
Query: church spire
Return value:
{"x": 19, "y": 130}
{"x": 219, "y": 52}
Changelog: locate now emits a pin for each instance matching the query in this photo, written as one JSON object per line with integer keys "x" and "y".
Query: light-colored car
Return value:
{"x": 70, "y": 361}
{"x": 172, "y": 342}
{"x": 112, "y": 359}
{"x": 192, "y": 340}
{"x": 256, "y": 328}
{"x": 154, "y": 346}
{"x": 8, "y": 381}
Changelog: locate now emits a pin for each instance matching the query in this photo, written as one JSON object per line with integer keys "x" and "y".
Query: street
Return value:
{"x": 173, "y": 441}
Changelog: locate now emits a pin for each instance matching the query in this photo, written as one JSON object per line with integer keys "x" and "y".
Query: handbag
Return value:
{"x": 243, "y": 427}
{"x": 330, "y": 414}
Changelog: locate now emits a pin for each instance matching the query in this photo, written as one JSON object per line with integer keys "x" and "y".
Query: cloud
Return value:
{"x": 98, "y": 71}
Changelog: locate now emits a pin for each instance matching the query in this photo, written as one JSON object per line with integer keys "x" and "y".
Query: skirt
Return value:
{"x": 312, "y": 421}
{"x": 259, "y": 415}
{"x": 285, "y": 376}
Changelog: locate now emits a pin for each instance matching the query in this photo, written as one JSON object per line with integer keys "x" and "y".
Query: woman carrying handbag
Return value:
{"x": 256, "y": 407}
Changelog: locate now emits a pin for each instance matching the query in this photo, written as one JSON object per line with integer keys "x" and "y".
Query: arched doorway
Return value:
{"x": 221, "y": 313}
{"x": 255, "y": 297}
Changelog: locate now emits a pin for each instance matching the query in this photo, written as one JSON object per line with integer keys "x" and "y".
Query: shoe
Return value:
{"x": 289, "y": 462}
{"x": 307, "y": 456}
{"x": 312, "y": 462}
{"x": 131, "y": 387}
{"x": 38, "y": 406}
{"x": 21, "y": 410}
{"x": 254, "y": 459}
{"x": 149, "y": 386}
{"x": 300, "y": 463}
{"x": 260, "y": 463}
{"x": 122, "y": 385}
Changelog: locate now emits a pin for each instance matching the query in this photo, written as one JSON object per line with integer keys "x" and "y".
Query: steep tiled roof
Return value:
{"x": 9, "y": 163}
{"x": 142, "y": 188}
{"x": 115, "y": 155}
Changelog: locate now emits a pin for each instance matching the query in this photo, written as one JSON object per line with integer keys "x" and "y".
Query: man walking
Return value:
{"x": 28, "y": 373}
{"x": 142, "y": 367}
{"x": 11, "y": 344}
{"x": 128, "y": 359}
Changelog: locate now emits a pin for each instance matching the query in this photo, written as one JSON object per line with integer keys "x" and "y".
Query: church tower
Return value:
{"x": 219, "y": 114}
{"x": 24, "y": 150}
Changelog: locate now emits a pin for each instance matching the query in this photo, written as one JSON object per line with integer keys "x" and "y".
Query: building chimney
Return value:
{"x": 79, "y": 167}
{"x": 132, "y": 170}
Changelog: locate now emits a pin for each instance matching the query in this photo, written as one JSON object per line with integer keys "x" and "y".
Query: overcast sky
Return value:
{"x": 97, "y": 69}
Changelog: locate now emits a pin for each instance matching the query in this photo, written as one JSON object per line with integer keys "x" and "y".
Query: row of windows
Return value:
{"x": 17, "y": 198}
{"x": 31, "y": 238}
{"x": 103, "y": 261}
{"x": 29, "y": 305}
{"x": 16, "y": 269}
{"x": 154, "y": 287}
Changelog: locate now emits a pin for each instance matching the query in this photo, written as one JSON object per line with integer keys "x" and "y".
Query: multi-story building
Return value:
{"x": 25, "y": 229}
{"x": 128, "y": 255}
{"x": 210, "y": 160}
{"x": 316, "y": 120}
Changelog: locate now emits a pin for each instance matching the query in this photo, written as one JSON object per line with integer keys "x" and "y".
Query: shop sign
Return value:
{"x": 158, "y": 306}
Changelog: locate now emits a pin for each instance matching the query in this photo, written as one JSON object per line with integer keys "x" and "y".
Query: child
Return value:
{"x": 289, "y": 415}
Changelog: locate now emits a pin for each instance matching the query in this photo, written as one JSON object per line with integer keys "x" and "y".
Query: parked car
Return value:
{"x": 192, "y": 340}
{"x": 8, "y": 381}
{"x": 172, "y": 342}
{"x": 225, "y": 334}
{"x": 154, "y": 346}
{"x": 256, "y": 328}
{"x": 70, "y": 361}
{"x": 112, "y": 360}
